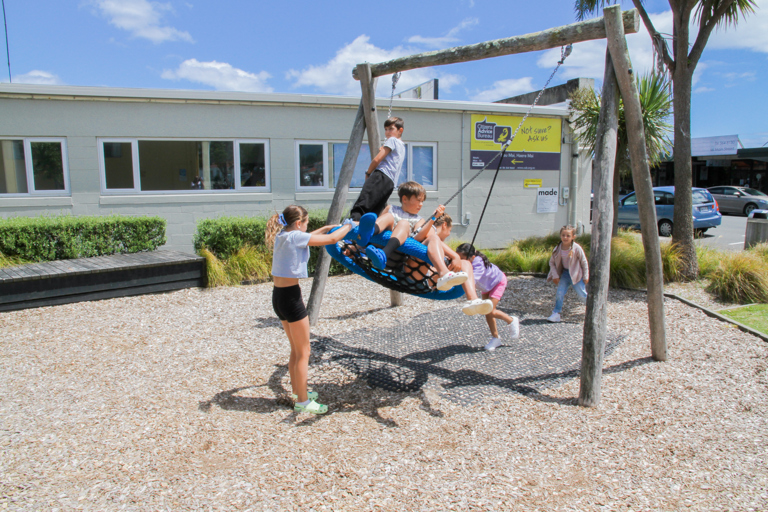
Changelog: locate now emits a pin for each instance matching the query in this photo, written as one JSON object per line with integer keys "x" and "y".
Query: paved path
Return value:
{"x": 444, "y": 351}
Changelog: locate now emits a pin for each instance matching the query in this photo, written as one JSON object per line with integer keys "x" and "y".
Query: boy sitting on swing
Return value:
{"x": 403, "y": 221}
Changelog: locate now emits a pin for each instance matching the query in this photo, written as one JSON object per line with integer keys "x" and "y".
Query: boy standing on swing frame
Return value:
{"x": 382, "y": 174}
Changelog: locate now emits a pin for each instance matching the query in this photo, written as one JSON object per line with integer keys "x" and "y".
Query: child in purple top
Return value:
{"x": 491, "y": 282}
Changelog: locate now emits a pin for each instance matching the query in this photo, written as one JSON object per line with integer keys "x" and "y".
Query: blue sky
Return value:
{"x": 311, "y": 47}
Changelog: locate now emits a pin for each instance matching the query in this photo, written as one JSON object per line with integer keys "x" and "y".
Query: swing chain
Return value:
{"x": 395, "y": 78}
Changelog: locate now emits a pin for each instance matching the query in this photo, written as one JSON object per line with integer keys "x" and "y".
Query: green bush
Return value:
{"x": 760, "y": 250}
{"x": 235, "y": 250}
{"x": 47, "y": 238}
{"x": 740, "y": 277}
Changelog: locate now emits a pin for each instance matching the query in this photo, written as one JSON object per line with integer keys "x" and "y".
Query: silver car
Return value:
{"x": 740, "y": 200}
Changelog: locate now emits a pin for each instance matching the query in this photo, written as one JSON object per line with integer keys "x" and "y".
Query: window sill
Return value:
{"x": 34, "y": 201}
{"x": 185, "y": 198}
{"x": 325, "y": 195}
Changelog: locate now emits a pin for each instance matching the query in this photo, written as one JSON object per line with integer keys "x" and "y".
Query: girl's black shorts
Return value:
{"x": 288, "y": 304}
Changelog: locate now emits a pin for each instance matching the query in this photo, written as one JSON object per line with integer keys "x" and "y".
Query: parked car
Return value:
{"x": 705, "y": 211}
{"x": 740, "y": 200}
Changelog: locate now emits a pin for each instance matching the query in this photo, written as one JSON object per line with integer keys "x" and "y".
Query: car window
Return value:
{"x": 753, "y": 192}
{"x": 701, "y": 196}
{"x": 669, "y": 198}
{"x": 730, "y": 191}
{"x": 716, "y": 190}
{"x": 630, "y": 200}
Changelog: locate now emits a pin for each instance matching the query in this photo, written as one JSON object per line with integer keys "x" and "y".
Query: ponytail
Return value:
{"x": 468, "y": 250}
{"x": 280, "y": 221}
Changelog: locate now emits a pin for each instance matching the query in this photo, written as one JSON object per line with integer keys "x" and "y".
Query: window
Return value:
{"x": 184, "y": 165}
{"x": 319, "y": 165}
{"x": 716, "y": 190}
{"x": 33, "y": 166}
{"x": 630, "y": 200}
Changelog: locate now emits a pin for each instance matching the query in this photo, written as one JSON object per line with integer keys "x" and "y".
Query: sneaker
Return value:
{"x": 450, "y": 280}
{"x": 365, "y": 229}
{"x": 514, "y": 328}
{"x": 312, "y": 406}
{"x": 377, "y": 256}
{"x": 554, "y": 318}
{"x": 491, "y": 346}
{"x": 477, "y": 307}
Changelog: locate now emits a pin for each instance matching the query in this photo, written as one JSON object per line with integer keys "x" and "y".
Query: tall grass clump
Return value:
{"x": 627, "y": 261}
{"x": 760, "y": 250}
{"x": 671, "y": 258}
{"x": 708, "y": 258}
{"x": 740, "y": 277}
{"x": 514, "y": 259}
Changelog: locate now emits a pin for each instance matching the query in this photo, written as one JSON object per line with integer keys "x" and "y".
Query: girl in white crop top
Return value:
{"x": 287, "y": 234}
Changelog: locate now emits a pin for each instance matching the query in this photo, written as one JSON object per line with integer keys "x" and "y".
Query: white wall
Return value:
{"x": 90, "y": 113}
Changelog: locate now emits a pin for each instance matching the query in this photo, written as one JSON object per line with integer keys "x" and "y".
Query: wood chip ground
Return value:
{"x": 179, "y": 401}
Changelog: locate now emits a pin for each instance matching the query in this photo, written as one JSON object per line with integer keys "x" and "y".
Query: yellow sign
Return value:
{"x": 532, "y": 183}
{"x": 537, "y": 135}
{"x": 536, "y": 146}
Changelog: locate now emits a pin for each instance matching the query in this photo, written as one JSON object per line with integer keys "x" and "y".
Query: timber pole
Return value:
{"x": 641, "y": 176}
{"x": 596, "y": 319}
{"x": 334, "y": 213}
{"x": 368, "y": 85}
{"x": 552, "y": 38}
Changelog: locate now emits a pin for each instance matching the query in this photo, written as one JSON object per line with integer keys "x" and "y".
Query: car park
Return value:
{"x": 705, "y": 210}
{"x": 739, "y": 200}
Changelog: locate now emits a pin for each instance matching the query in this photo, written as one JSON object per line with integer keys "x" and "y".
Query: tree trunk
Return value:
{"x": 616, "y": 182}
{"x": 596, "y": 319}
{"x": 641, "y": 176}
{"x": 682, "y": 227}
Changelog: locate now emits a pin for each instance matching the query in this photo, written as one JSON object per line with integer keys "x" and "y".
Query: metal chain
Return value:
{"x": 395, "y": 78}
{"x": 564, "y": 53}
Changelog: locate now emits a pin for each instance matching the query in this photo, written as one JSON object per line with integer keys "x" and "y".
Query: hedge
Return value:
{"x": 65, "y": 237}
{"x": 225, "y": 236}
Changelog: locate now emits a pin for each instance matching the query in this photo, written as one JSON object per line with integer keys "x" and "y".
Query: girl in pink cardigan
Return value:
{"x": 568, "y": 267}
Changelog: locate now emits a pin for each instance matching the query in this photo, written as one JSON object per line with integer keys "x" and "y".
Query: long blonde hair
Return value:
{"x": 275, "y": 224}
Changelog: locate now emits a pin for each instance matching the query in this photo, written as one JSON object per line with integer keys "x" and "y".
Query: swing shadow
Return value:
{"x": 343, "y": 399}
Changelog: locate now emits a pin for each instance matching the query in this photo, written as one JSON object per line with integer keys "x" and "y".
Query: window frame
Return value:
{"x": 327, "y": 171}
{"x": 29, "y": 171}
{"x": 136, "y": 190}
{"x": 297, "y": 166}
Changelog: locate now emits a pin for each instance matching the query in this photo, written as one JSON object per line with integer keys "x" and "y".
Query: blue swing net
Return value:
{"x": 409, "y": 270}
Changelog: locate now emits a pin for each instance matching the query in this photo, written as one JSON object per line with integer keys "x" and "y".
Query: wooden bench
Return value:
{"x": 103, "y": 277}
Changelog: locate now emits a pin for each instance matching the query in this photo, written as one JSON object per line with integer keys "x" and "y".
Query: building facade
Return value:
{"x": 191, "y": 155}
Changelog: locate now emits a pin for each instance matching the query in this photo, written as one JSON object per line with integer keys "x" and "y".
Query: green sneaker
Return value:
{"x": 311, "y": 395}
{"x": 312, "y": 406}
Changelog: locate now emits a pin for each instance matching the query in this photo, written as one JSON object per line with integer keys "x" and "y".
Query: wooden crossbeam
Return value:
{"x": 544, "y": 40}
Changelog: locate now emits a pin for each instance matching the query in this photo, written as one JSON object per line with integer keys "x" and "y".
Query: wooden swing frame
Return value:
{"x": 618, "y": 78}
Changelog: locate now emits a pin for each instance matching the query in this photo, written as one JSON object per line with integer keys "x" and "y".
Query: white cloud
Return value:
{"x": 219, "y": 75}
{"x": 446, "y": 40}
{"x": 335, "y": 76}
{"x": 504, "y": 89}
{"x": 588, "y": 58}
{"x": 702, "y": 89}
{"x": 37, "y": 77}
{"x": 750, "y": 33}
{"x": 142, "y": 19}
{"x": 754, "y": 140}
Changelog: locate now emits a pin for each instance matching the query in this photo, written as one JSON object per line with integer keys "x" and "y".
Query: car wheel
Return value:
{"x": 665, "y": 227}
{"x": 748, "y": 209}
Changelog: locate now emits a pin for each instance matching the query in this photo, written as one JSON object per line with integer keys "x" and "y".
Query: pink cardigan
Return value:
{"x": 577, "y": 264}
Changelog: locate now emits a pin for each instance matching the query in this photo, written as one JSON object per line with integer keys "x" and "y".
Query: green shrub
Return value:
{"x": 760, "y": 250}
{"x": 11, "y": 261}
{"x": 708, "y": 259}
{"x": 235, "y": 250}
{"x": 65, "y": 237}
{"x": 740, "y": 277}
{"x": 627, "y": 262}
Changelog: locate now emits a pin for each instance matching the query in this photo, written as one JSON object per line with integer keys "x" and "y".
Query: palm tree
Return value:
{"x": 656, "y": 106}
{"x": 681, "y": 65}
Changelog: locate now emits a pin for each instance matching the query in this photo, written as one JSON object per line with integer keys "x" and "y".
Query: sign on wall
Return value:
{"x": 536, "y": 146}
{"x": 713, "y": 146}
{"x": 546, "y": 200}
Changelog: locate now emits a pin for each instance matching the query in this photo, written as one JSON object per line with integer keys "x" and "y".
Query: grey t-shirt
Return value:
{"x": 291, "y": 253}
{"x": 392, "y": 164}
